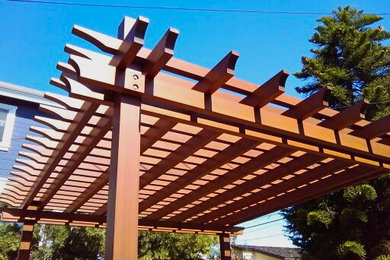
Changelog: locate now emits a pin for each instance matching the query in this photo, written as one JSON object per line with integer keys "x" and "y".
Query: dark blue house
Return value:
{"x": 18, "y": 106}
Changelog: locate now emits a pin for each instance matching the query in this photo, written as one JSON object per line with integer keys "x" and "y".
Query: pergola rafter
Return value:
{"x": 148, "y": 141}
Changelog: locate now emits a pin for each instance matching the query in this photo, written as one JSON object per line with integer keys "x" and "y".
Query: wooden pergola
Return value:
{"x": 148, "y": 141}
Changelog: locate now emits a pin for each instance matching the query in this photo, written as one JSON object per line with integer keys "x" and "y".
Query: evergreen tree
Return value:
{"x": 349, "y": 57}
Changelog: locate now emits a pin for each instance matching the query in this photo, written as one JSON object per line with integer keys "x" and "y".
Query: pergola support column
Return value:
{"x": 122, "y": 208}
{"x": 224, "y": 246}
{"x": 26, "y": 240}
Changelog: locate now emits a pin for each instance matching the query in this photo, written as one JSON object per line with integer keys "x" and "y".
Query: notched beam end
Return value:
{"x": 132, "y": 33}
{"x": 375, "y": 129}
{"x": 87, "y": 54}
{"x": 169, "y": 39}
{"x": 311, "y": 105}
{"x": 102, "y": 41}
{"x": 65, "y": 67}
{"x": 161, "y": 53}
{"x": 218, "y": 75}
{"x": 133, "y": 30}
{"x": 267, "y": 92}
{"x": 71, "y": 49}
{"x": 60, "y": 84}
{"x": 346, "y": 117}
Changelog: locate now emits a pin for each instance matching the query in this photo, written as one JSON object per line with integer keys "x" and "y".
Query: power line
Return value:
{"x": 265, "y": 223}
{"x": 261, "y": 238}
{"x": 172, "y": 8}
{"x": 371, "y": 103}
{"x": 261, "y": 229}
{"x": 270, "y": 215}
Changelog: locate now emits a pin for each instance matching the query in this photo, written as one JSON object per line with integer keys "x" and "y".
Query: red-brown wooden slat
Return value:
{"x": 271, "y": 191}
{"x": 198, "y": 172}
{"x": 309, "y": 106}
{"x": 102, "y": 41}
{"x": 159, "y": 129}
{"x": 132, "y": 32}
{"x": 74, "y": 129}
{"x": 239, "y": 172}
{"x": 255, "y": 183}
{"x": 161, "y": 53}
{"x": 219, "y": 75}
{"x": 346, "y": 117}
{"x": 267, "y": 92}
{"x": 184, "y": 151}
{"x": 374, "y": 129}
{"x": 308, "y": 192}
{"x": 103, "y": 126}
{"x": 89, "y": 192}
{"x": 59, "y": 218}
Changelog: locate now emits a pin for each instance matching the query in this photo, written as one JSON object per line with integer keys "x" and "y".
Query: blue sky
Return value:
{"x": 33, "y": 36}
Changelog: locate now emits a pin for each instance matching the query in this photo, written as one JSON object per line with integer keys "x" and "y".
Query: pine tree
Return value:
{"x": 350, "y": 57}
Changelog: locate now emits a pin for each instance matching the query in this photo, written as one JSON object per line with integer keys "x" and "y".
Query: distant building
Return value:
{"x": 242, "y": 252}
{"x": 18, "y": 106}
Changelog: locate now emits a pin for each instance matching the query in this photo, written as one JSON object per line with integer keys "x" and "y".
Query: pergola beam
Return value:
{"x": 375, "y": 129}
{"x": 309, "y": 106}
{"x": 320, "y": 138}
{"x": 60, "y": 218}
{"x": 267, "y": 92}
{"x": 346, "y": 117}
{"x": 132, "y": 32}
{"x": 161, "y": 53}
{"x": 219, "y": 75}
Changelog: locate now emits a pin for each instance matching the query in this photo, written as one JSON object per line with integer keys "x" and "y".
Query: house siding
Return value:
{"x": 24, "y": 119}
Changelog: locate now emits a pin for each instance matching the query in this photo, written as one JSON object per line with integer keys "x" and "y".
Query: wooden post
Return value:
{"x": 224, "y": 246}
{"x": 26, "y": 240}
{"x": 122, "y": 208}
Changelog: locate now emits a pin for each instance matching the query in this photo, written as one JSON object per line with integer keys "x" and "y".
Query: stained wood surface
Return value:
{"x": 209, "y": 158}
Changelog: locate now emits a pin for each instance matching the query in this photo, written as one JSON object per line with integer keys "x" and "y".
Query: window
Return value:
{"x": 7, "y": 120}
{"x": 247, "y": 256}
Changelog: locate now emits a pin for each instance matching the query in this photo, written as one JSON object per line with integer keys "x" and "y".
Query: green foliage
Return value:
{"x": 69, "y": 243}
{"x": 351, "y": 249}
{"x": 353, "y": 223}
{"x": 359, "y": 193}
{"x": 350, "y": 58}
{"x": 162, "y": 245}
{"x": 66, "y": 243}
{"x": 81, "y": 243}
{"x": 383, "y": 257}
{"x": 320, "y": 216}
{"x": 383, "y": 248}
{"x": 359, "y": 214}
{"x": 9, "y": 240}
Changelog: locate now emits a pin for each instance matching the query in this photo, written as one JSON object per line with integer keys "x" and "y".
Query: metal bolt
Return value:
{"x": 135, "y": 77}
{"x": 135, "y": 86}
